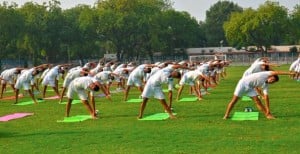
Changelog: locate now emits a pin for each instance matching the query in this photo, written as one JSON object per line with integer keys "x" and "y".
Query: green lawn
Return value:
{"x": 199, "y": 127}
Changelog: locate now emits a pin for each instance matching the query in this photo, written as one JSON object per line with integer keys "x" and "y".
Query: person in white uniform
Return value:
{"x": 70, "y": 77}
{"x": 247, "y": 85}
{"x": 81, "y": 86}
{"x": 191, "y": 79}
{"x": 154, "y": 89}
{"x": 9, "y": 76}
{"x": 136, "y": 78}
{"x": 24, "y": 81}
{"x": 51, "y": 79}
{"x": 105, "y": 79}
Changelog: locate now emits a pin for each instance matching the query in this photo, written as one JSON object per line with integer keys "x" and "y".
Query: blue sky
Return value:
{"x": 196, "y": 8}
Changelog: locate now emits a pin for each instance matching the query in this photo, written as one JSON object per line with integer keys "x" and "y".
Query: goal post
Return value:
{"x": 202, "y": 58}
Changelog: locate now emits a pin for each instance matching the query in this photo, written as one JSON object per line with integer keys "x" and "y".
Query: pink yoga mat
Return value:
{"x": 52, "y": 97}
{"x": 12, "y": 97}
{"x": 14, "y": 116}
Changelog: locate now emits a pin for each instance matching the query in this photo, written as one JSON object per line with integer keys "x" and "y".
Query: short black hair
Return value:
{"x": 178, "y": 74}
{"x": 267, "y": 68}
{"x": 276, "y": 77}
{"x": 96, "y": 88}
{"x": 147, "y": 70}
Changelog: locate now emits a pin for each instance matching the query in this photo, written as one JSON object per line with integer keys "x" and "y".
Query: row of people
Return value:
{"x": 48, "y": 75}
{"x": 253, "y": 83}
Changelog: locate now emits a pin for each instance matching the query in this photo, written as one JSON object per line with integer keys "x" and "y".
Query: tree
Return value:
{"x": 129, "y": 25}
{"x": 261, "y": 28}
{"x": 33, "y": 39}
{"x": 52, "y": 34}
{"x": 215, "y": 18}
{"x": 79, "y": 33}
{"x": 11, "y": 27}
{"x": 294, "y": 35}
{"x": 179, "y": 30}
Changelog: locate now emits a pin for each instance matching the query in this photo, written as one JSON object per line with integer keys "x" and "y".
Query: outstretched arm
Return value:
{"x": 281, "y": 73}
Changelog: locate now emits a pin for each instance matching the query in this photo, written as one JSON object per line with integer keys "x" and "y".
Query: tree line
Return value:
{"x": 136, "y": 29}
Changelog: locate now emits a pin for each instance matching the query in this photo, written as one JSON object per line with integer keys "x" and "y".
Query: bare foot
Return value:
{"x": 94, "y": 117}
{"x": 225, "y": 117}
{"x": 172, "y": 117}
{"x": 140, "y": 117}
{"x": 270, "y": 116}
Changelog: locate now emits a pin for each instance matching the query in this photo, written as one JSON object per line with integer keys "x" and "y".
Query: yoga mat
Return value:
{"x": 246, "y": 98}
{"x": 157, "y": 116}
{"x": 52, "y": 97}
{"x": 28, "y": 102}
{"x": 14, "y": 116}
{"x": 239, "y": 116}
{"x": 138, "y": 100}
{"x": 75, "y": 101}
{"x": 12, "y": 97}
{"x": 188, "y": 99}
{"x": 77, "y": 118}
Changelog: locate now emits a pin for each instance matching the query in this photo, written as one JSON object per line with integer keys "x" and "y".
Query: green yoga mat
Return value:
{"x": 77, "y": 118}
{"x": 188, "y": 99}
{"x": 239, "y": 116}
{"x": 75, "y": 101}
{"x": 246, "y": 98}
{"x": 138, "y": 100}
{"x": 157, "y": 116}
{"x": 28, "y": 102}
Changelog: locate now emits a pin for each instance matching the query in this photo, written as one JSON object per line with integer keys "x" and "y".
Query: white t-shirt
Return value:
{"x": 80, "y": 86}
{"x": 52, "y": 74}
{"x": 71, "y": 76}
{"x": 103, "y": 76}
{"x": 254, "y": 68}
{"x": 257, "y": 80}
{"x": 190, "y": 77}
{"x": 25, "y": 79}
{"x": 160, "y": 77}
{"x": 9, "y": 75}
{"x": 294, "y": 65}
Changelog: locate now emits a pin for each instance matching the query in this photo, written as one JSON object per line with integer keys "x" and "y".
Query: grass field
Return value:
{"x": 199, "y": 127}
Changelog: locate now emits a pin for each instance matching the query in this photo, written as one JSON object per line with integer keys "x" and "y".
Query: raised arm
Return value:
{"x": 280, "y": 73}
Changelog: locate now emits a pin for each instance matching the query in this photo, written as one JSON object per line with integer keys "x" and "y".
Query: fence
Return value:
{"x": 274, "y": 57}
{"x": 237, "y": 58}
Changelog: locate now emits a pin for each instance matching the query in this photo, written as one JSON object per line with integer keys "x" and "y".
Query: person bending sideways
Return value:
{"x": 154, "y": 89}
{"x": 247, "y": 85}
{"x": 24, "y": 81}
{"x": 81, "y": 86}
